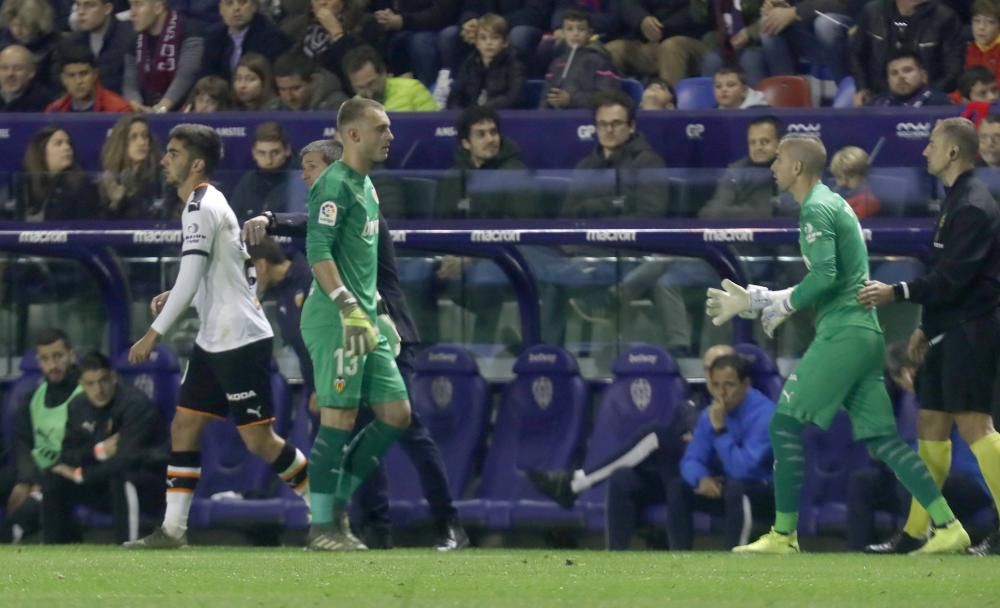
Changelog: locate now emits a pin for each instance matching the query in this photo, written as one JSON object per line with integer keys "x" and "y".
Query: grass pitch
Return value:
{"x": 246, "y": 578}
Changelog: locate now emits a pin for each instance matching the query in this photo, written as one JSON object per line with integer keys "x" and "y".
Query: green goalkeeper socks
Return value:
{"x": 324, "y": 470}
{"x": 913, "y": 474}
{"x": 789, "y": 469}
{"x": 363, "y": 455}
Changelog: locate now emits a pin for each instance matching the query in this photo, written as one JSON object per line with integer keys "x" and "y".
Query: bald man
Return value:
{"x": 843, "y": 365}
{"x": 639, "y": 472}
{"x": 19, "y": 91}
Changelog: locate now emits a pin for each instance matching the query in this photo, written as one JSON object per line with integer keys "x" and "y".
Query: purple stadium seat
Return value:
{"x": 539, "y": 425}
{"x": 695, "y": 93}
{"x": 159, "y": 378}
{"x": 763, "y": 371}
{"x": 453, "y": 401}
{"x": 647, "y": 389}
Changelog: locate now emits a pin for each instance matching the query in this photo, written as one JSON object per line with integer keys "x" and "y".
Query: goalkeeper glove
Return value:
{"x": 724, "y": 304}
{"x": 359, "y": 333}
{"x": 777, "y": 311}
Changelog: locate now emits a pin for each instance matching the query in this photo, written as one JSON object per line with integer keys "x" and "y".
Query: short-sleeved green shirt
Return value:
{"x": 343, "y": 227}
{"x": 833, "y": 246}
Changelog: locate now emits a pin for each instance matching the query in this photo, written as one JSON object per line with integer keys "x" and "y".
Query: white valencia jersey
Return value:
{"x": 226, "y": 299}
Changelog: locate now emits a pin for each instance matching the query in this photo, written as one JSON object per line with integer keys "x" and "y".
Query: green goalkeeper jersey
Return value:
{"x": 343, "y": 227}
{"x": 834, "y": 250}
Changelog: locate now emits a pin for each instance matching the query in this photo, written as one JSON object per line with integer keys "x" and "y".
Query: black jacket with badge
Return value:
{"x": 142, "y": 436}
{"x": 962, "y": 281}
{"x": 632, "y": 193}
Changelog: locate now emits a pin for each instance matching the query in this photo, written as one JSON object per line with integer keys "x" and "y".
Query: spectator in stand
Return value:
{"x": 732, "y": 91}
{"x": 331, "y": 29}
{"x": 84, "y": 92}
{"x": 527, "y": 20}
{"x": 977, "y": 83}
{"x": 30, "y": 24}
{"x": 813, "y": 30}
{"x": 849, "y": 167}
{"x": 39, "y": 426}
{"x": 492, "y": 76}
{"x": 411, "y": 28}
{"x": 366, "y": 72}
{"x": 211, "y": 94}
{"x": 989, "y": 142}
{"x": 658, "y": 95}
{"x": 621, "y": 147}
{"x": 19, "y": 90}
{"x": 131, "y": 184}
{"x": 735, "y": 40}
{"x": 243, "y": 30}
{"x": 253, "y": 85}
{"x": 166, "y": 60}
{"x": 887, "y": 27}
{"x": 303, "y": 87}
{"x": 908, "y": 83}
{"x": 108, "y": 38}
{"x": 665, "y": 38}
{"x": 984, "y": 49}
{"x": 747, "y": 189}
{"x": 53, "y": 186}
{"x": 273, "y": 184}
{"x": 113, "y": 453}
{"x": 582, "y": 70}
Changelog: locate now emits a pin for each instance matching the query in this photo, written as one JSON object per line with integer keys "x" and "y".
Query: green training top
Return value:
{"x": 834, "y": 250}
{"x": 343, "y": 227}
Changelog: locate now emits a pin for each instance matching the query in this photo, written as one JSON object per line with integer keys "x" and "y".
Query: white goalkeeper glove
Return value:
{"x": 779, "y": 309}
{"x": 724, "y": 304}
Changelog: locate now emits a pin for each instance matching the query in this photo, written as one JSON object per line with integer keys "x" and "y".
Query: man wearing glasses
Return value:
{"x": 989, "y": 142}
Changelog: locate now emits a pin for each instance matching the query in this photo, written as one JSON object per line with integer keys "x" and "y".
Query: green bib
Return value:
{"x": 48, "y": 425}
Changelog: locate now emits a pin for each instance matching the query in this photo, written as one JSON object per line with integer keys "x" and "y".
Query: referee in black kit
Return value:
{"x": 958, "y": 342}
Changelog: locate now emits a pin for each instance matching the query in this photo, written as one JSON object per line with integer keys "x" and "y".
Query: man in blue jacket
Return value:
{"x": 726, "y": 468}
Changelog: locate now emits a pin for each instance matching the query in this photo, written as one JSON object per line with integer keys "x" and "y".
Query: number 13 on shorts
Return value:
{"x": 351, "y": 366}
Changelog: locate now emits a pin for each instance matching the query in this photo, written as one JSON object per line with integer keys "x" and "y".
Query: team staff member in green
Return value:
{"x": 843, "y": 365}
{"x": 351, "y": 361}
{"x": 40, "y": 426}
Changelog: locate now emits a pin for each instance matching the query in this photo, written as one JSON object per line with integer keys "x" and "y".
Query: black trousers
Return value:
{"x": 126, "y": 496}
{"x": 27, "y": 516}
{"x": 373, "y": 495}
{"x": 742, "y": 502}
{"x": 876, "y": 489}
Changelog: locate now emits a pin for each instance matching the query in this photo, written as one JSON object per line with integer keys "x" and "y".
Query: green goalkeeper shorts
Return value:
{"x": 841, "y": 369}
{"x": 343, "y": 381}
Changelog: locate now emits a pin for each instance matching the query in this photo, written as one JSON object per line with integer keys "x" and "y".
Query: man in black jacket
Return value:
{"x": 243, "y": 30}
{"x": 20, "y": 91}
{"x": 888, "y": 25}
{"x": 113, "y": 456}
{"x": 288, "y": 281}
{"x": 958, "y": 341}
{"x": 39, "y": 427}
{"x": 108, "y": 38}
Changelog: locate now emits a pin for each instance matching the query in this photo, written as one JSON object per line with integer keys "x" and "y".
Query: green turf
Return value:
{"x": 246, "y": 578}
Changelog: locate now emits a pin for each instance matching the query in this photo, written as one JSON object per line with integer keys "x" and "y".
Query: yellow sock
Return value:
{"x": 937, "y": 456}
{"x": 987, "y": 451}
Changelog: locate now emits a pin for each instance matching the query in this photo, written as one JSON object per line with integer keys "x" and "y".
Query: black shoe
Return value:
{"x": 989, "y": 546}
{"x": 453, "y": 537}
{"x": 555, "y": 485}
{"x": 901, "y": 543}
{"x": 378, "y": 537}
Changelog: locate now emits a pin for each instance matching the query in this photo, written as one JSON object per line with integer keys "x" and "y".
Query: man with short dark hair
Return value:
{"x": 40, "y": 426}
{"x": 366, "y": 72}
{"x": 19, "y": 90}
{"x": 84, "y": 92}
{"x": 908, "y": 85}
{"x": 302, "y": 86}
{"x": 228, "y": 374}
{"x": 108, "y": 38}
{"x": 112, "y": 457}
{"x": 272, "y": 184}
{"x": 244, "y": 29}
{"x": 989, "y": 142}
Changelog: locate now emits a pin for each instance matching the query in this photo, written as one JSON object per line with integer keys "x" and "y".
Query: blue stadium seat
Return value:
{"x": 533, "y": 93}
{"x": 695, "y": 93}
{"x": 647, "y": 389}
{"x": 766, "y": 377}
{"x": 453, "y": 400}
{"x": 634, "y": 89}
{"x": 539, "y": 425}
{"x": 844, "y": 98}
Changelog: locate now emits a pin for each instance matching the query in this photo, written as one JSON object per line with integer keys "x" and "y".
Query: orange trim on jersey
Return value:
{"x": 257, "y": 423}
{"x": 200, "y": 413}
{"x": 181, "y": 490}
{"x": 185, "y": 475}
